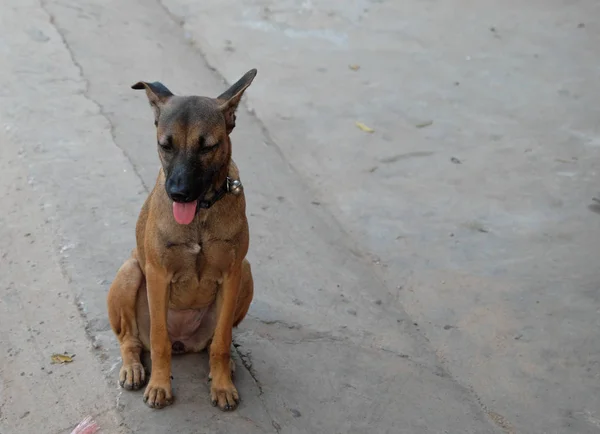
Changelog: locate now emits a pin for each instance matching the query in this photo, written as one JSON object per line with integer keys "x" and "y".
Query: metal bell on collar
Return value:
{"x": 235, "y": 186}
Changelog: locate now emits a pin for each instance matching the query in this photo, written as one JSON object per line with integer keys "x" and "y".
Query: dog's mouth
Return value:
{"x": 184, "y": 212}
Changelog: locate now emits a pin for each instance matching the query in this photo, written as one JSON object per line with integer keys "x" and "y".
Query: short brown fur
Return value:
{"x": 186, "y": 280}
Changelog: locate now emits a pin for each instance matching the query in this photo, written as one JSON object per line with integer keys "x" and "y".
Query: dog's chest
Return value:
{"x": 195, "y": 282}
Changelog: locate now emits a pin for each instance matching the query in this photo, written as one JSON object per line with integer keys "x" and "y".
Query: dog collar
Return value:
{"x": 233, "y": 186}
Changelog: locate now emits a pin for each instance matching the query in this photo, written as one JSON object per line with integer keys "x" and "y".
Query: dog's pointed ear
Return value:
{"x": 157, "y": 93}
{"x": 230, "y": 99}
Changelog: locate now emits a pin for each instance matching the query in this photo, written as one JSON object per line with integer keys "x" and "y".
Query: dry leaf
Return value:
{"x": 62, "y": 358}
{"x": 424, "y": 124}
{"x": 354, "y": 67}
{"x": 364, "y": 128}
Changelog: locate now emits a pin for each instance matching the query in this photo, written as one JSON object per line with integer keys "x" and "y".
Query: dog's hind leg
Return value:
{"x": 121, "y": 302}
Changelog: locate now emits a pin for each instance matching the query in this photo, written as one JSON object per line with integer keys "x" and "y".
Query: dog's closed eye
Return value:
{"x": 207, "y": 144}
{"x": 167, "y": 144}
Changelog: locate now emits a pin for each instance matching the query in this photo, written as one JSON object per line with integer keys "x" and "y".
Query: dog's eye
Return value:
{"x": 167, "y": 145}
{"x": 204, "y": 148}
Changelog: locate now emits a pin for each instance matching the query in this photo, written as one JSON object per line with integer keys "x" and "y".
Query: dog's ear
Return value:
{"x": 157, "y": 93}
{"x": 230, "y": 99}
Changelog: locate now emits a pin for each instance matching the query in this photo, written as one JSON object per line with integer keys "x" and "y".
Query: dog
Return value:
{"x": 187, "y": 283}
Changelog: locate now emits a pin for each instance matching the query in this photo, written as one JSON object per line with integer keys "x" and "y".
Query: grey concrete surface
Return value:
{"x": 397, "y": 291}
{"x": 38, "y": 317}
{"x": 496, "y": 257}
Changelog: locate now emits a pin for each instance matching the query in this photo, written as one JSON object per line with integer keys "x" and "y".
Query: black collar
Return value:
{"x": 228, "y": 185}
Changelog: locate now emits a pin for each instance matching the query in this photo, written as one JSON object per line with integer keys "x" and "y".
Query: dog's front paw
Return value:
{"x": 224, "y": 394}
{"x": 158, "y": 395}
{"x": 132, "y": 376}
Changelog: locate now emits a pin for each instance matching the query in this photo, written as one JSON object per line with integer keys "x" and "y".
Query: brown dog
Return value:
{"x": 187, "y": 284}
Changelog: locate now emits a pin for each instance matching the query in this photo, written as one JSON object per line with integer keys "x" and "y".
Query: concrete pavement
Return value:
{"x": 392, "y": 294}
{"x": 473, "y": 195}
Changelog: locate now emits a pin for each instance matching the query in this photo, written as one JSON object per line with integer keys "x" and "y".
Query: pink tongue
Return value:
{"x": 184, "y": 212}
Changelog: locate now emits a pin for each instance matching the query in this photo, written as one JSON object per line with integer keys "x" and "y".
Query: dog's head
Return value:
{"x": 193, "y": 141}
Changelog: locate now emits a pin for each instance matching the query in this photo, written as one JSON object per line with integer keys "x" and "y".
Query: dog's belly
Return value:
{"x": 190, "y": 330}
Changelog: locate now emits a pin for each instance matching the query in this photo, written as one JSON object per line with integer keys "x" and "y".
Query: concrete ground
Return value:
{"x": 437, "y": 275}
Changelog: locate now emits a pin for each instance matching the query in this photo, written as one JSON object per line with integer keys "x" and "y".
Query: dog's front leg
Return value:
{"x": 158, "y": 393}
{"x": 223, "y": 392}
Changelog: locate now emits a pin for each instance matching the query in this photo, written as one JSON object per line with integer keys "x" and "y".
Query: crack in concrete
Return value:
{"x": 315, "y": 337}
{"x": 324, "y": 336}
{"x": 280, "y": 322}
{"x": 124, "y": 428}
{"x": 86, "y": 91}
{"x": 246, "y": 360}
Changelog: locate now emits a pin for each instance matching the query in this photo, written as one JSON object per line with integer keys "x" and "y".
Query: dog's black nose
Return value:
{"x": 178, "y": 193}
{"x": 180, "y": 196}
{"x": 179, "y": 185}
